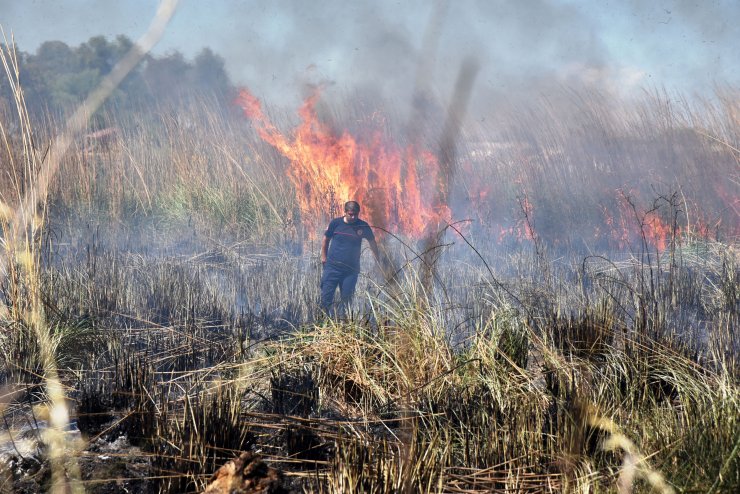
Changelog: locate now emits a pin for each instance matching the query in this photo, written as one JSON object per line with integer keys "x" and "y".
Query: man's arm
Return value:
{"x": 374, "y": 249}
{"x": 324, "y": 249}
{"x": 382, "y": 262}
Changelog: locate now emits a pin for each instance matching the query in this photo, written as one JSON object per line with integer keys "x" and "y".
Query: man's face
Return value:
{"x": 350, "y": 215}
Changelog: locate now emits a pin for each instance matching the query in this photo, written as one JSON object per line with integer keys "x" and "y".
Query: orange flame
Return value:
{"x": 389, "y": 181}
{"x": 398, "y": 186}
{"x": 626, "y": 229}
{"x": 658, "y": 232}
{"x": 522, "y": 230}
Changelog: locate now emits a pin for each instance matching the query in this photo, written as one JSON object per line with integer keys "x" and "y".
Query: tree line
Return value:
{"x": 57, "y": 77}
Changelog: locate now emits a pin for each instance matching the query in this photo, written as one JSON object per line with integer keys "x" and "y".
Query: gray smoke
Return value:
{"x": 524, "y": 48}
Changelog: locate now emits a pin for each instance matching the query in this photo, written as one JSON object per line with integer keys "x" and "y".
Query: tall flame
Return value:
{"x": 388, "y": 180}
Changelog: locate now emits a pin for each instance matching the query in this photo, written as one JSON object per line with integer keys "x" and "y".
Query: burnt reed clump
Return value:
{"x": 584, "y": 336}
{"x": 581, "y": 438}
{"x": 94, "y": 403}
{"x": 294, "y": 394}
{"x": 132, "y": 388}
{"x": 513, "y": 345}
{"x": 197, "y": 434}
{"x": 75, "y": 344}
{"x": 379, "y": 467}
{"x": 465, "y": 414}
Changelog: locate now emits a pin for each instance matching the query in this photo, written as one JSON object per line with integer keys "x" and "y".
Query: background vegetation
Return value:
{"x": 57, "y": 77}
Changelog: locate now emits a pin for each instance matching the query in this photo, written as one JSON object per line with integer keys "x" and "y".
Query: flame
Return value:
{"x": 523, "y": 228}
{"x": 392, "y": 183}
{"x": 658, "y": 232}
{"x": 398, "y": 186}
{"x": 625, "y": 229}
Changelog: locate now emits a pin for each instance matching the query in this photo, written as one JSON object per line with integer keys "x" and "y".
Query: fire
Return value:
{"x": 658, "y": 232}
{"x": 632, "y": 225}
{"x": 392, "y": 183}
{"x": 522, "y": 230}
{"x": 399, "y": 187}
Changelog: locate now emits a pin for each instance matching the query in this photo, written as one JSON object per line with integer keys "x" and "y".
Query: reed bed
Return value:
{"x": 170, "y": 288}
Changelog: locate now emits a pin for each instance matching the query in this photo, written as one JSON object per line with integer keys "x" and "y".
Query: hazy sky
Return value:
{"x": 276, "y": 47}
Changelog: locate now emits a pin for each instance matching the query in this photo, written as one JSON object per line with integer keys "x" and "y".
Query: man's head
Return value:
{"x": 351, "y": 211}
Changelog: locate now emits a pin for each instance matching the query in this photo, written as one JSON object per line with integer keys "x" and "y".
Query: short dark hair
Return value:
{"x": 352, "y": 206}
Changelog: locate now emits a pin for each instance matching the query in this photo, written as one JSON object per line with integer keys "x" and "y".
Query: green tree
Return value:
{"x": 57, "y": 77}
{"x": 41, "y": 71}
{"x": 166, "y": 77}
{"x": 209, "y": 73}
{"x": 97, "y": 53}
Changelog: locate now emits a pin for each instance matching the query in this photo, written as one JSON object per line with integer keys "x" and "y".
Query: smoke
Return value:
{"x": 389, "y": 48}
{"x": 395, "y": 47}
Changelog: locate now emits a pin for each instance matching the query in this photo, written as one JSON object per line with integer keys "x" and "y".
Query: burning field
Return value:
{"x": 507, "y": 186}
{"x": 555, "y": 308}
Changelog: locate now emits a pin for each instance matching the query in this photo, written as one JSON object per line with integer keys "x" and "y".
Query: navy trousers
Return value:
{"x": 334, "y": 276}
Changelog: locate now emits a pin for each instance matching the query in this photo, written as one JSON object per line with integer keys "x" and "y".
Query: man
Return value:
{"x": 340, "y": 256}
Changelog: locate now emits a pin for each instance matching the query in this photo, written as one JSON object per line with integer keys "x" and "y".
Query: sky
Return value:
{"x": 277, "y": 48}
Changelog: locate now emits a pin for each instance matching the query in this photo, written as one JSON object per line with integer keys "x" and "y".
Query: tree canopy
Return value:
{"x": 58, "y": 76}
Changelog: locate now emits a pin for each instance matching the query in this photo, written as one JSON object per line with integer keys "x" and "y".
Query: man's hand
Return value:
{"x": 374, "y": 249}
{"x": 324, "y": 250}
{"x": 383, "y": 261}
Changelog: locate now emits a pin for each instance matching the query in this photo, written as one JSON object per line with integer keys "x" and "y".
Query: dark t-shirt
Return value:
{"x": 345, "y": 244}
